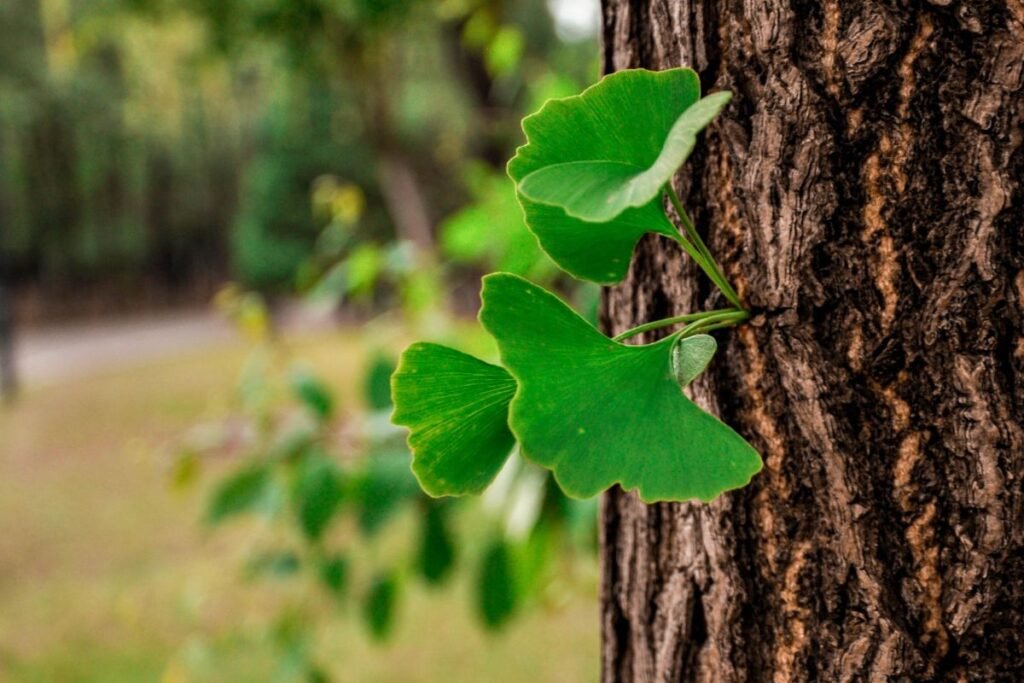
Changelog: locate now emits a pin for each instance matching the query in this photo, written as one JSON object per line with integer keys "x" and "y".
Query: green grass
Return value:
{"x": 106, "y": 574}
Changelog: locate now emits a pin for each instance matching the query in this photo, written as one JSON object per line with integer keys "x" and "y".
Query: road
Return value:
{"x": 51, "y": 355}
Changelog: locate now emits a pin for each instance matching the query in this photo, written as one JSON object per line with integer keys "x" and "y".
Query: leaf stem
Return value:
{"x": 722, "y": 317}
{"x": 699, "y": 251}
{"x": 716, "y": 321}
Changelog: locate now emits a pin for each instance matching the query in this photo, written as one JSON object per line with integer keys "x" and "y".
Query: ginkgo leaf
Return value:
{"x": 597, "y": 412}
{"x": 456, "y": 409}
{"x": 597, "y": 252}
{"x": 597, "y": 190}
{"x": 690, "y": 356}
{"x": 590, "y": 174}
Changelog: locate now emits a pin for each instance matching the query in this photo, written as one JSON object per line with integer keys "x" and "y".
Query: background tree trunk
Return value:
{"x": 864, "y": 193}
{"x": 8, "y": 374}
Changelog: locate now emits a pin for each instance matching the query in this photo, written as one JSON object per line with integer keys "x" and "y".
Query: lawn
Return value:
{"x": 107, "y": 575}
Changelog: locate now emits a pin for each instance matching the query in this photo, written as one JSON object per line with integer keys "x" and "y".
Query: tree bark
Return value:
{"x": 864, "y": 193}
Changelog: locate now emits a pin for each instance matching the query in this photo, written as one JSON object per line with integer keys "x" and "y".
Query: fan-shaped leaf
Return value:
{"x": 598, "y": 155}
{"x": 599, "y": 189}
{"x": 456, "y": 409}
{"x": 691, "y": 355}
{"x": 597, "y": 412}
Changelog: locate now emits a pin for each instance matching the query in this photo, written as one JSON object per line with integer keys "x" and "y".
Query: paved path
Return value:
{"x": 51, "y": 355}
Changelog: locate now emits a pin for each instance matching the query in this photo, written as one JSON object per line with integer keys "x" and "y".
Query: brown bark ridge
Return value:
{"x": 864, "y": 192}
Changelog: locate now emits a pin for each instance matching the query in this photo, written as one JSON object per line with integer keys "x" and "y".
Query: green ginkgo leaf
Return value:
{"x": 597, "y": 412}
{"x": 456, "y": 409}
{"x": 597, "y": 252}
{"x": 590, "y": 175}
{"x": 690, "y": 356}
{"x": 597, "y": 190}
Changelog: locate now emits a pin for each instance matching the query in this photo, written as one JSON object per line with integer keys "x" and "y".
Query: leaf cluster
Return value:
{"x": 592, "y": 179}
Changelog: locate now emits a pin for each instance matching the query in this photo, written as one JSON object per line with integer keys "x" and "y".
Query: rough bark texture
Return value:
{"x": 864, "y": 191}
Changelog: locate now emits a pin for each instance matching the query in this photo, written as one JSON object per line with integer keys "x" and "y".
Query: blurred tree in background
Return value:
{"x": 119, "y": 147}
{"x": 167, "y": 144}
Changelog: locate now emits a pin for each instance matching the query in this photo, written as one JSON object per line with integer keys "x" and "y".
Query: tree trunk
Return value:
{"x": 8, "y": 374}
{"x": 863, "y": 191}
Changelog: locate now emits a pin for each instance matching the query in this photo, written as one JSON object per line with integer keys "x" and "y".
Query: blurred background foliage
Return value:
{"x": 337, "y": 509}
{"x": 347, "y": 155}
{"x": 171, "y": 143}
